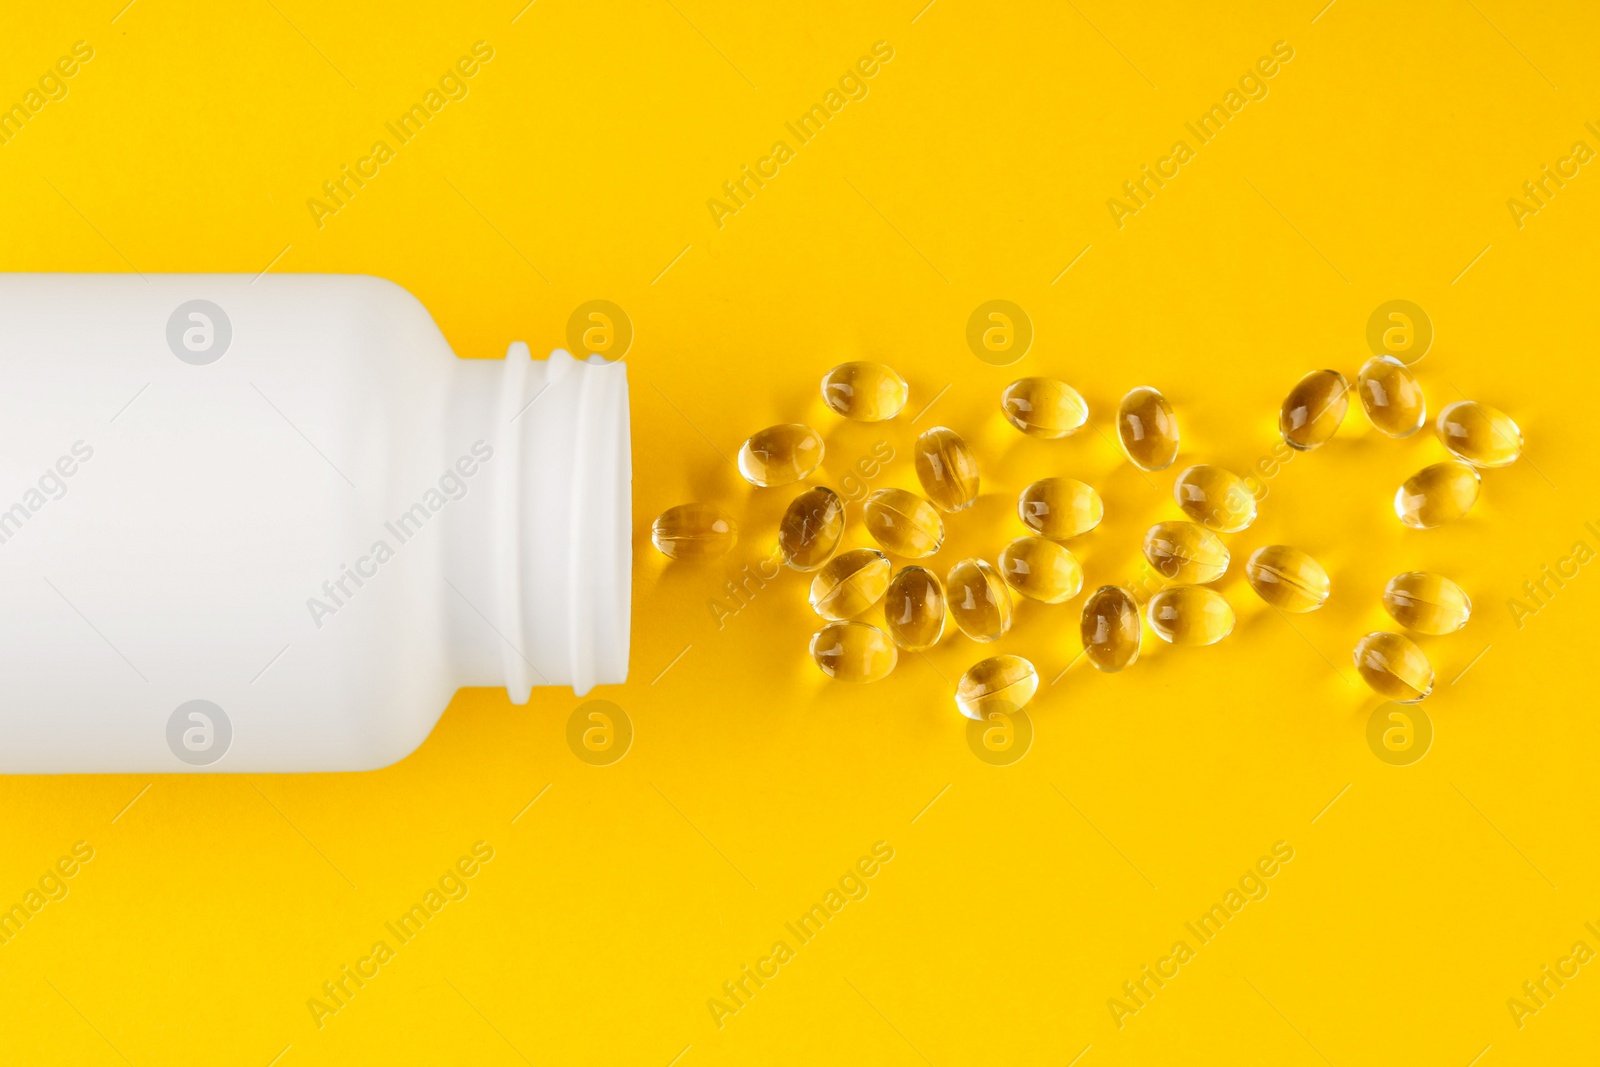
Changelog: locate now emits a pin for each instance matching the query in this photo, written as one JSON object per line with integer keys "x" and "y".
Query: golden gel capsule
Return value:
{"x": 1190, "y": 615}
{"x": 999, "y": 684}
{"x": 947, "y": 469}
{"x": 1148, "y": 429}
{"x": 780, "y": 455}
{"x": 1041, "y": 570}
{"x": 1185, "y": 552}
{"x": 811, "y": 528}
{"x": 853, "y": 652}
{"x": 1394, "y": 667}
{"x": 914, "y": 609}
{"x": 1287, "y": 578}
{"x": 1314, "y": 409}
{"x": 978, "y": 600}
{"x": 1044, "y": 407}
{"x": 903, "y": 523}
{"x": 1427, "y": 603}
{"x": 1110, "y": 628}
{"x": 1391, "y": 396}
{"x": 850, "y": 583}
{"x": 863, "y": 391}
{"x": 1215, "y": 497}
{"x": 1481, "y": 435}
{"x": 1437, "y": 494}
{"x": 1060, "y": 508}
{"x": 694, "y": 531}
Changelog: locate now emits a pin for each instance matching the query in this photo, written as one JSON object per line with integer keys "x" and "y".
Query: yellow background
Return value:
{"x": 978, "y": 167}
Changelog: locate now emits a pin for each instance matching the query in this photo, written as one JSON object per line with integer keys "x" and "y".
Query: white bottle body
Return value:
{"x": 273, "y": 524}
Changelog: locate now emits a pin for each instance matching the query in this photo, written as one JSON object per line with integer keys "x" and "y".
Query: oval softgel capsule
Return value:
{"x": 1044, "y": 407}
{"x": 1147, "y": 428}
{"x": 780, "y": 455}
{"x": 1479, "y": 434}
{"x": 1110, "y": 628}
{"x": 1314, "y": 409}
{"x": 1437, "y": 494}
{"x": 864, "y": 391}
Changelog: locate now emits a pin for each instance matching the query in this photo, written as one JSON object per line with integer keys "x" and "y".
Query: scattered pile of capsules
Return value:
{"x": 977, "y": 596}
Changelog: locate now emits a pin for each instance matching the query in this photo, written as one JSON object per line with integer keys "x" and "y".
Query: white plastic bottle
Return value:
{"x": 272, "y": 524}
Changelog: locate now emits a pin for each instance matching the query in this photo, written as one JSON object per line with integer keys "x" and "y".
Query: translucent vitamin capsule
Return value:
{"x": 1044, "y": 407}
{"x": 1148, "y": 429}
{"x": 1287, "y": 578}
{"x": 1394, "y": 667}
{"x": 1215, "y": 497}
{"x": 997, "y": 685}
{"x": 1185, "y": 552}
{"x": 1041, "y": 570}
{"x": 914, "y": 609}
{"x": 863, "y": 391}
{"x": 1391, "y": 396}
{"x": 780, "y": 455}
{"x": 811, "y": 528}
{"x": 1190, "y": 615}
{"x": 1314, "y": 409}
{"x": 903, "y": 523}
{"x": 946, "y": 468}
{"x": 694, "y": 531}
{"x": 978, "y": 600}
{"x": 1427, "y": 603}
{"x": 1481, "y": 435}
{"x": 1110, "y": 628}
{"x": 1437, "y": 494}
{"x": 853, "y": 652}
{"x": 1060, "y": 508}
{"x": 850, "y": 583}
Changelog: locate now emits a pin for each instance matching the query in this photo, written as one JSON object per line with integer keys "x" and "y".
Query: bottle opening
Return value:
{"x": 565, "y": 528}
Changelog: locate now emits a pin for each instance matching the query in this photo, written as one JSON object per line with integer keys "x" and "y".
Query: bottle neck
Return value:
{"x": 540, "y": 567}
